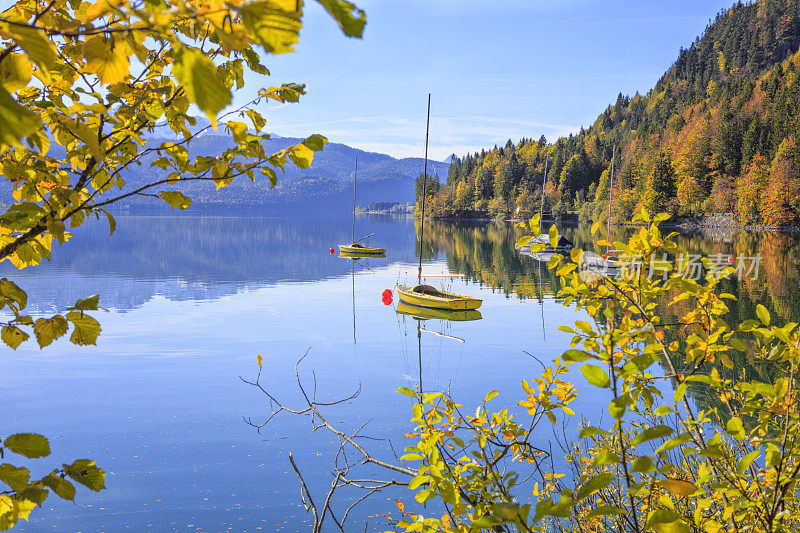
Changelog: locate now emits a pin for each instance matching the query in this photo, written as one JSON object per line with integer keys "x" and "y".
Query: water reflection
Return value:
{"x": 158, "y": 402}
{"x": 186, "y": 258}
{"x": 485, "y": 253}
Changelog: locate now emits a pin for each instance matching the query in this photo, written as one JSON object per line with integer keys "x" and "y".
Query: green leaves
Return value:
{"x": 350, "y": 19}
{"x": 176, "y": 199}
{"x": 490, "y": 395}
{"x": 86, "y": 329}
{"x": 577, "y": 356}
{"x": 15, "y": 477}
{"x": 13, "y": 336}
{"x": 424, "y": 495}
{"x": 29, "y": 445}
{"x": 666, "y": 521}
{"x": 736, "y": 428}
{"x": 763, "y": 314}
{"x": 746, "y": 461}
{"x": 594, "y": 485}
{"x": 11, "y": 292}
{"x": 87, "y": 473}
{"x": 16, "y": 122}
{"x": 604, "y": 457}
{"x": 87, "y": 304}
{"x": 62, "y": 487}
{"x": 316, "y": 142}
{"x": 49, "y": 329}
{"x": 591, "y": 432}
{"x": 198, "y": 77}
{"x": 35, "y": 44}
{"x": 657, "y": 432}
{"x": 596, "y": 376}
{"x": 643, "y": 465}
{"x": 26, "y": 493}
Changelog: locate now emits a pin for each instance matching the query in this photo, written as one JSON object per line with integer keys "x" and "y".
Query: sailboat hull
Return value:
{"x": 426, "y": 296}
{"x": 360, "y": 250}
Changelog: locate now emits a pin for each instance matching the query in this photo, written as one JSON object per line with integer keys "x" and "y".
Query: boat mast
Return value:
{"x": 419, "y": 353}
{"x": 355, "y": 177}
{"x": 544, "y": 180}
{"x": 424, "y": 183}
{"x": 611, "y": 190}
{"x": 353, "y": 275}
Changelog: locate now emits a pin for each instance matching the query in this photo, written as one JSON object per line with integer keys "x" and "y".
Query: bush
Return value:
{"x": 661, "y": 464}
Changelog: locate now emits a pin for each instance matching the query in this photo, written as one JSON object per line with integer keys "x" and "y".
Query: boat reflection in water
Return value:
{"x": 427, "y": 313}
{"x": 421, "y": 314}
{"x": 355, "y": 259}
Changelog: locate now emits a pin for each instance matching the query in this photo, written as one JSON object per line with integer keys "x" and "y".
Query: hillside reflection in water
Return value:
{"x": 193, "y": 300}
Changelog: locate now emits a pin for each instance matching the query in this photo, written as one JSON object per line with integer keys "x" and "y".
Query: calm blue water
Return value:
{"x": 159, "y": 402}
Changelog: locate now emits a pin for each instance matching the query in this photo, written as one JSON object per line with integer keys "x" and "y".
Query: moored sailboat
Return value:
{"x": 424, "y": 295}
{"x": 355, "y": 248}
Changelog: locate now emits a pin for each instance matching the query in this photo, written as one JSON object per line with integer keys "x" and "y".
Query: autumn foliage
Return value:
{"x": 715, "y": 135}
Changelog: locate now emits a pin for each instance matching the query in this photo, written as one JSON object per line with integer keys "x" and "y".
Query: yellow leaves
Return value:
{"x": 198, "y": 77}
{"x": 102, "y": 7}
{"x": 34, "y": 43}
{"x": 237, "y": 129}
{"x": 275, "y": 24}
{"x": 219, "y": 172}
{"x": 301, "y": 155}
{"x": 107, "y": 58}
{"x": 13, "y": 336}
{"x": 86, "y": 329}
{"x": 16, "y": 122}
{"x": 176, "y": 199}
{"x": 48, "y": 330}
{"x": 260, "y": 360}
{"x": 88, "y": 135}
{"x": 678, "y": 487}
{"x": 15, "y": 72}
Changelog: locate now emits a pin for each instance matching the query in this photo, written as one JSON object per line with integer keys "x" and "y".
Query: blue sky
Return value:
{"x": 496, "y": 69}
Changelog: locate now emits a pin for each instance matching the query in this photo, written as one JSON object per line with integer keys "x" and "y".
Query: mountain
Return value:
{"x": 327, "y": 185}
{"x": 718, "y": 133}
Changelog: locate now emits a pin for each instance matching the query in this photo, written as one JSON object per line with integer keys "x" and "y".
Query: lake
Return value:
{"x": 192, "y": 301}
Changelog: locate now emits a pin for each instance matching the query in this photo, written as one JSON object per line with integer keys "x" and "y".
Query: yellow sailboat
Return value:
{"x": 377, "y": 254}
{"x": 355, "y": 247}
{"x": 424, "y": 295}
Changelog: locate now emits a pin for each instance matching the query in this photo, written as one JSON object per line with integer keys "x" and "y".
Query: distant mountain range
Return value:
{"x": 327, "y": 185}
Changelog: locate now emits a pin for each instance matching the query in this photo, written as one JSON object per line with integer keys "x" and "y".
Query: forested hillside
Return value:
{"x": 717, "y": 134}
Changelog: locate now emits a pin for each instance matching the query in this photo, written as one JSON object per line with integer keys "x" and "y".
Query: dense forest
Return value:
{"x": 718, "y": 133}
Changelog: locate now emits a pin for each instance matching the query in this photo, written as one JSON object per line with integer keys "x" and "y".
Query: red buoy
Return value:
{"x": 386, "y": 297}
{"x": 332, "y": 250}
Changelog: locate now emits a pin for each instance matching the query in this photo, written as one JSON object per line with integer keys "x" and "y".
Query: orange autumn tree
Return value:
{"x": 780, "y": 204}
{"x": 750, "y": 190}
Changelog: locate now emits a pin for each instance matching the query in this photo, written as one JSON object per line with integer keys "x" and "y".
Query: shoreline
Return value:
{"x": 685, "y": 223}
